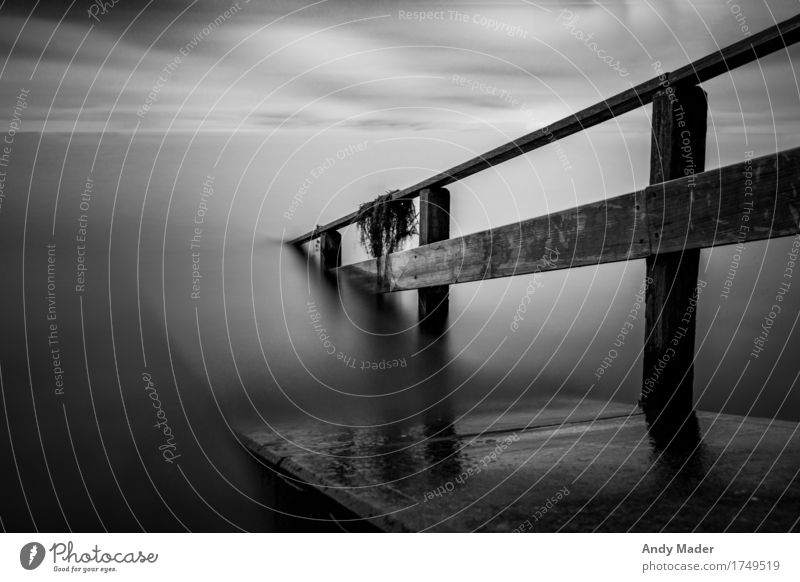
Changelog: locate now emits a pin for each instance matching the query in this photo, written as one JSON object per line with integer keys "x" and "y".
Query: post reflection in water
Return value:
{"x": 442, "y": 445}
{"x": 677, "y": 446}
{"x": 399, "y": 421}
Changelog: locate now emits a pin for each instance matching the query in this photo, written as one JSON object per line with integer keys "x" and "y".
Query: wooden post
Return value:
{"x": 330, "y": 251}
{"x": 678, "y": 150}
{"x": 434, "y": 226}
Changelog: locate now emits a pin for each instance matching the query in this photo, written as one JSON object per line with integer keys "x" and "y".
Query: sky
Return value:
{"x": 463, "y": 77}
{"x": 295, "y": 66}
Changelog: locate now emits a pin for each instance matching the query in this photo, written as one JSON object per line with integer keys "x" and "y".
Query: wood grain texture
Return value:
{"x": 673, "y": 217}
{"x": 601, "y": 232}
{"x": 740, "y": 53}
{"x": 719, "y": 208}
{"x": 678, "y": 148}
{"x": 433, "y": 303}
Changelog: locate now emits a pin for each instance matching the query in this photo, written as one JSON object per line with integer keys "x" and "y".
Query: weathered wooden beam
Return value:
{"x": 616, "y": 229}
{"x": 434, "y": 226}
{"x": 752, "y": 200}
{"x": 740, "y": 53}
{"x": 678, "y": 149}
{"x": 600, "y": 232}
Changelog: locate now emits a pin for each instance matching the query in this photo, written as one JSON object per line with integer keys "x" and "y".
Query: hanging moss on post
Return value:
{"x": 385, "y": 224}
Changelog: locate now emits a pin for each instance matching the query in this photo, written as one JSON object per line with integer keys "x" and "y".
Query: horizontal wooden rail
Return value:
{"x": 713, "y": 208}
{"x": 740, "y": 53}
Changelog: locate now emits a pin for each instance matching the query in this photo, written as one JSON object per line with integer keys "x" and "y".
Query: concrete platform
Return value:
{"x": 572, "y": 466}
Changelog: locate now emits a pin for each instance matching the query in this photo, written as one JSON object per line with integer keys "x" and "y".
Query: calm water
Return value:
{"x": 149, "y": 310}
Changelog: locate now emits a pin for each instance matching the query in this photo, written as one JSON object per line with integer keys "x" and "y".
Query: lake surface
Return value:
{"x": 150, "y": 309}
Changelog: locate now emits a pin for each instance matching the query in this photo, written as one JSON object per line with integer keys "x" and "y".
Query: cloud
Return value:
{"x": 360, "y": 64}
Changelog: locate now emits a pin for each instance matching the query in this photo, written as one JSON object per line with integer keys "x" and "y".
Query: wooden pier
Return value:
{"x": 717, "y": 473}
{"x": 660, "y": 467}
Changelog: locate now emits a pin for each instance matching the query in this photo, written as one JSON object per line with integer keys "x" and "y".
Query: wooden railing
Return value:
{"x": 745, "y": 51}
{"x": 666, "y": 224}
{"x": 666, "y": 217}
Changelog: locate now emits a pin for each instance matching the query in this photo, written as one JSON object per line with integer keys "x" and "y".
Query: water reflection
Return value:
{"x": 678, "y": 447}
{"x": 442, "y": 444}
